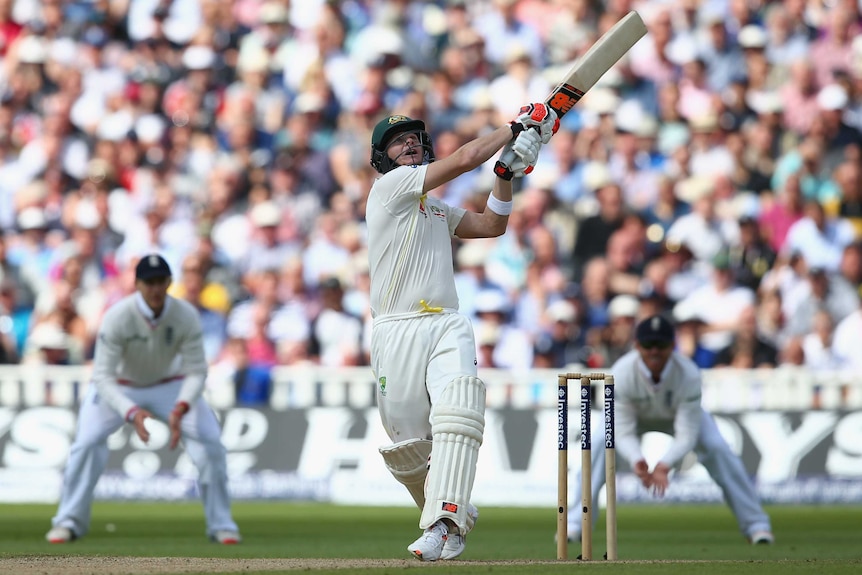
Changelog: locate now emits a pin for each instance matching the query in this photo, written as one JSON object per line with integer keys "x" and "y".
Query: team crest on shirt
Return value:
{"x": 169, "y": 335}
{"x": 382, "y": 384}
{"x": 438, "y": 212}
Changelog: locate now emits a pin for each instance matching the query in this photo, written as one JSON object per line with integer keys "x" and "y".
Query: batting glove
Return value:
{"x": 538, "y": 116}
{"x": 526, "y": 152}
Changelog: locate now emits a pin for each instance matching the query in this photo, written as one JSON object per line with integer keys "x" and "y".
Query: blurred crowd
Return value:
{"x": 713, "y": 174}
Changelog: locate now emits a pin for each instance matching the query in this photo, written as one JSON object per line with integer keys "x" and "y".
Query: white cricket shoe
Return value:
{"x": 429, "y": 546}
{"x": 60, "y": 535}
{"x": 226, "y": 537}
{"x": 456, "y": 543}
{"x": 762, "y": 538}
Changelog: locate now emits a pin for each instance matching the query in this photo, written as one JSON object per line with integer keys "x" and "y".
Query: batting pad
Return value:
{"x": 457, "y": 425}
{"x": 407, "y": 461}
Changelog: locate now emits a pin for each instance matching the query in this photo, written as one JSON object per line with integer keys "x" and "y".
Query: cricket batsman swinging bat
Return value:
{"x": 588, "y": 69}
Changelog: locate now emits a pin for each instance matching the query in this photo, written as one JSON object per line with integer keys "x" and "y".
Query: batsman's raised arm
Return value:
{"x": 476, "y": 152}
{"x": 492, "y": 221}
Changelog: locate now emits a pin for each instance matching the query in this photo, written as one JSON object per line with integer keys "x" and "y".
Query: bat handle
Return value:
{"x": 502, "y": 167}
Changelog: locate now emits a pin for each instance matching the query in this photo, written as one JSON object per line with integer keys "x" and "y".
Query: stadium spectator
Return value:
{"x": 779, "y": 214}
{"x": 234, "y": 375}
{"x": 747, "y": 349}
{"x": 721, "y": 303}
{"x": 799, "y": 96}
{"x": 824, "y": 291}
{"x": 166, "y": 125}
{"x": 618, "y": 336}
{"x": 276, "y": 330}
{"x": 702, "y": 231}
{"x": 560, "y": 342}
{"x": 752, "y": 257}
{"x": 689, "y": 329}
{"x": 817, "y": 344}
{"x": 336, "y": 335}
{"x": 819, "y": 239}
{"x": 848, "y": 178}
{"x": 48, "y": 344}
{"x": 512, "y": 345}
{"x": 595, "y": 231}
{"x": 190, "y": 288}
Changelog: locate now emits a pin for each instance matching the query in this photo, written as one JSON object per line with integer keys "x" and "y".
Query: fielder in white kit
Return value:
{"x": 659, "y": 389}
{"x": 149, "y": 361}
{"x": 423, "y": 351}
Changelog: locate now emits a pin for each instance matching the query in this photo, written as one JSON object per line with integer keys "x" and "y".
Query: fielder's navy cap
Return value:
{"x": 656, "y": 328}
{"x": 152, "y": 266}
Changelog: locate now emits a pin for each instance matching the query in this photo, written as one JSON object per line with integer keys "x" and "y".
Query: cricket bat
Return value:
{"x": 587, "y": 70}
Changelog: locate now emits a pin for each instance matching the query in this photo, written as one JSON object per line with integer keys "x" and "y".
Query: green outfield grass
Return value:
{"x": 652, "y": 538}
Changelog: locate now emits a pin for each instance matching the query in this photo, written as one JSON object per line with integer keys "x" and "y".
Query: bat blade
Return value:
{"x": 587, "y": 70}
{"x": 601, "y": 56}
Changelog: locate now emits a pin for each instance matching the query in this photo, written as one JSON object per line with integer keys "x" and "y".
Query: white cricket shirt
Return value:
{"x": 410, "y": 245}
{"x": 133, "y": 349}
{"x": 673, "y": 405}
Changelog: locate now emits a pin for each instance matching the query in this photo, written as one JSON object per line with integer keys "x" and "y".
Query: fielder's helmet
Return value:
{"x": 386, "y": 129}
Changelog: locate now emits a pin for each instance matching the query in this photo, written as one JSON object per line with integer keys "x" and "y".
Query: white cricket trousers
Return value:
{"x": 201, "y": 437}
{"x": 414, "y": 359}
{"x": 725, "y": 468}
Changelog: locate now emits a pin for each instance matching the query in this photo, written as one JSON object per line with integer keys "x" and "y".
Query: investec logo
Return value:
{"x": 586, "y": 442}
{"x": 562, "y": 419}
{"x": 610, "y": 440}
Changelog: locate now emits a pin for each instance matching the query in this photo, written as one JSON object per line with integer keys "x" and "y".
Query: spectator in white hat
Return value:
{"x": 833, "y": 100}
{"x": 513, "y": 348}
{"x": 618, "y": 336}
{"x": 268, "y": 250}
{"x": 47, "y": 344}
{"x": 561, "y": 342}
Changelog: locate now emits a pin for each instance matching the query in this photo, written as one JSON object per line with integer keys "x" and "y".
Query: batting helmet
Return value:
{"x": 386, "y": 129}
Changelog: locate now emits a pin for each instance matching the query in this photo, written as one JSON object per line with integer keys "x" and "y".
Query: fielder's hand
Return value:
{"x": 526, "y": 151}
{"x": 177, "y": 413}
{"x": 137, "y": 420}
{"x": 642, "y": 471}
{"x": 660, "y": 479}
{"x": 538, "y": 116}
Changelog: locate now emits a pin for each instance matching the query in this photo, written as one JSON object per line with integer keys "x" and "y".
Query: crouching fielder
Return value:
{"x": 423, "y": 352}
{"x": 659, "y": 389}
{"x": 149, "y": 362}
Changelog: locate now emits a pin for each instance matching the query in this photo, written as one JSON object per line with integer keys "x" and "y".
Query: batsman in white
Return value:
{"x": 423, "y": 354}
{"x": 149, "y": 361}
{"x": 659, "y": 389}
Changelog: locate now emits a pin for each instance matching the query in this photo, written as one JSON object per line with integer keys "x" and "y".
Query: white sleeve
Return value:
{"x": 625, "y": 412}
{"x": 686, "y": 424}
{"x": 627, "y": 440}
{"x": 454, "y": 217}
{"x": 399, "y": 189}
{"x": 194, "y": 362}
{"x": 107, "y": 356}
